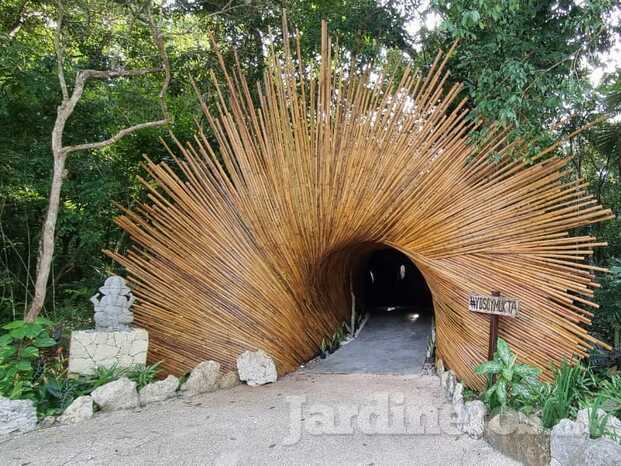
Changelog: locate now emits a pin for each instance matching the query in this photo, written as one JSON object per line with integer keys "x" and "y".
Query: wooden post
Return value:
{"x": 493, "y": 338}
{"x": 493, "y": 332}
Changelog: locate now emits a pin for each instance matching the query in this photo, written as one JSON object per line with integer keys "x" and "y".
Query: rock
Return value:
{"x": 458, "y": 403}
{"x": 458, "y": 393}
{"x": 79, "y": 410}
{"x": 444, "y": 376}
{"x": 450, "y": 384}
{"x": 48, "y": 421}
{"x": 612, "y": 429}
{"x": 120, "y": 394}
{"x": 602, "y": 452}
{"x": 520, "y": 437}
{"x": 159, "y": 391}
{"x": 567, "y": 442}
{"x": 256, "y": 368}
{"x": 203, "y": 379}
{"x": 474, "y": 419}
{"x": 439, "y": 366}
{"x": 91, "y": 349}
{"x": 229, "y": 380}
{"x": 17, "y": 416}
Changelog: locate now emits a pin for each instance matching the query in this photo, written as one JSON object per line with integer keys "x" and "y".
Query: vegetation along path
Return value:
{"x": 302, "y": 419}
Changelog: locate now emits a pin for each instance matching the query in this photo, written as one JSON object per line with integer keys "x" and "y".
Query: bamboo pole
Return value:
{"x": 252, "y": 246}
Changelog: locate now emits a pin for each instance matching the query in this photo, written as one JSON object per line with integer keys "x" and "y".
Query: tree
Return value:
{"x": 61, "y": 151}
{"x": 524, "y": 63}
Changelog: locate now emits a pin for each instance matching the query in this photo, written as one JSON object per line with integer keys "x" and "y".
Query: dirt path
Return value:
{"x": 390, "y": 343}
{"x": 302, "y": 419}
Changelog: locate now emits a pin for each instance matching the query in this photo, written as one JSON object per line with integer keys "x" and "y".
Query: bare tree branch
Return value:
{"x": 60, "y": 52}
{"x": 158, "y": 38}
{"x": 22, "y": 16}
{"x": 118, "y": 136}
{"x": 105, "y": 74}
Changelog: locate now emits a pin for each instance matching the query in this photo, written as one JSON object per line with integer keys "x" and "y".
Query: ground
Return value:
{"x": 392, "y": 342}
{"x": 260, "y": 425}
{"x": 365, "y": 404}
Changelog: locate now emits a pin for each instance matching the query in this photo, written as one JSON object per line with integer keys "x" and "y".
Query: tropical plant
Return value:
{"x": 598, "y": 424}
{"x": 143, "y": 375}
{"x": 21, "y": 361}
{"x": 610, "y": 391}
{"x": 574, "y": 386}
{"x": 510, "y": 383}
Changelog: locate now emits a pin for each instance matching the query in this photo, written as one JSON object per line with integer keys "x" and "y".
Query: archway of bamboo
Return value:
{"x": 252, "y": 246}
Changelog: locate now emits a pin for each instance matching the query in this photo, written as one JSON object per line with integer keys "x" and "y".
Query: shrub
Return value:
{"x": 611, "y": 395}
{"x": 515, "y": 384}
{"x": 30, "y": 370}
{"x": 574, "y": 386}
{"x": 21, "y": 357}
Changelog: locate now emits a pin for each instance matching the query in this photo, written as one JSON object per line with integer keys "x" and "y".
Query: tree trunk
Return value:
{"x": 47, "y": 239}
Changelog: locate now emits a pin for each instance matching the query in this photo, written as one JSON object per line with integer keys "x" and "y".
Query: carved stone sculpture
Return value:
{"x": 113, "y": 343}
{"x": 112, "y": 305}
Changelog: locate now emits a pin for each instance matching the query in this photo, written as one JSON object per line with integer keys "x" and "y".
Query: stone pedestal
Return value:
{"x": 96, "y": 348}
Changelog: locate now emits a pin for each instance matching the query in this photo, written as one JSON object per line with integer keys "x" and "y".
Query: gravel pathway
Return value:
{"x": 304, "y": 418}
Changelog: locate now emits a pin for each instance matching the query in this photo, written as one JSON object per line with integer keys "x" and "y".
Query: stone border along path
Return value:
{"x": 259, "y": 425}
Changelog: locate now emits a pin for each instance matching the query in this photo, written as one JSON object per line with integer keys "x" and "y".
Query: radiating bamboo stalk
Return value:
{"x": 254, "y": 245}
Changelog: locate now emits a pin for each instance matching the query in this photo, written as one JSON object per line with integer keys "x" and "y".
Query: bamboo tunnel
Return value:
{"x": 253, "y": 245}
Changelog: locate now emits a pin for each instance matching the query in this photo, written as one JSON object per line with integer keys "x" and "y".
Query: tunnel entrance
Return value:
{"x": 391, "y": 282}
{"x": 397, "y": 337}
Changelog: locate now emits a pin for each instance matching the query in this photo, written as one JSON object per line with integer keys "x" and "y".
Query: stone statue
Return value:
{"x": 112, "y": 305}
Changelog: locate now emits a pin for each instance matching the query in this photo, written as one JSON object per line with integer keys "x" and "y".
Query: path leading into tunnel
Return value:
{"x": 302, "y": 419}
{"x": 391, "y": 342}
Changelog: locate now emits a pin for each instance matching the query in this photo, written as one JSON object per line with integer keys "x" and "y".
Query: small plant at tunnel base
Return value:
{"x": 514, "y": 383}
{"x": 323, "y": 347}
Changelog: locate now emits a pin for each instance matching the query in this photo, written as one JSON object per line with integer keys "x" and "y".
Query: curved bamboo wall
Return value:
{"x": 253, "y": 246}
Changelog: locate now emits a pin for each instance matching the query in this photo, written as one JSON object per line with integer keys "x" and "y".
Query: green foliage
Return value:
{"x": 104, "y": 34}
{"x": 57, "y": 389}
{"x": 514, "y": 383}
{"x": 30, "y": 368}
{"x": 610, "y": 392}
{"x": 523, "y": 62}
{"x": 598, "y": 425}
{"x": 143, "y": 375}
{"x": 607, "y": 321}
{"x": 21, "y": 356}
{"x": 574, "y": 387}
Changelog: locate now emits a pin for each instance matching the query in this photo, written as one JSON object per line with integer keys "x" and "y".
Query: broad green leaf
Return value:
{"x": 507, "y": 374}
{"x": 53, "y": 388}
{"x": 504, "y": 352}
{"x": 5, "y": 339}
{"x": 488, "y": 367}
{"x": 13, "y": 325}
{"x": 32, "y": 330}
{"x": 30, "y": 352}
{"x": 489, "y": 393}
{"x": 518, "y": 389}
{"x": 526, "y": 371}
{"x": 45, "y": 342}
{"x": 23, "y": 366}
{"x": 7, "y": 352}
{"x": 501, "y": 392}
{"x": 18, "y": 333}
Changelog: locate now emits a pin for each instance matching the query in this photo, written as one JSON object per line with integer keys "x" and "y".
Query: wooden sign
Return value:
{"x": 496, "y": 305}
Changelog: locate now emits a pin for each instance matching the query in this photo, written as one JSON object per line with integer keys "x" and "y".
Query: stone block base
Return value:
{"x": 95, "y": 348}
